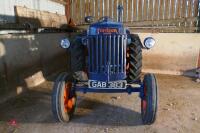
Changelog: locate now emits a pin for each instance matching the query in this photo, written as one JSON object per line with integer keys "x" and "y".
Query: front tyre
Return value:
{"x": 149, "y": 101}
{"x": 63, "y": 98}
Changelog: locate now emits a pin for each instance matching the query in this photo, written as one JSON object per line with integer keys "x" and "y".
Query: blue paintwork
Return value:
{"x": 107, "y": 51}
{"x": 128, "y": 90}
{"x": 110, "y": 77}
{"x": 106, "y": 23}
{"x": 110, "y": 49}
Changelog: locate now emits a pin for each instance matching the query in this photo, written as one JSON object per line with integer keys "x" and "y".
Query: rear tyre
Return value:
{"x": 149, "y": 100}
{"x": 134, "y": 59}
{"x": 63, "y": 98}
{"x": 78, "y": 57}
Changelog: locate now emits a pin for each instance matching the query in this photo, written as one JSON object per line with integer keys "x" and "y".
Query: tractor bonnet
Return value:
{"x": 107, "y": 50}
{"x": 106, "y": 26}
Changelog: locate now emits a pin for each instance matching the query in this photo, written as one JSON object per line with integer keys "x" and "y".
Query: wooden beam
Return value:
{"x": 38, "y": 19}
{"x": 67, "y": 10}
{"x": 60, "y": 1}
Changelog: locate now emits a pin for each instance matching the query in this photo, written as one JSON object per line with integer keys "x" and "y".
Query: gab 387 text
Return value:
{"x": 102, "y": 84}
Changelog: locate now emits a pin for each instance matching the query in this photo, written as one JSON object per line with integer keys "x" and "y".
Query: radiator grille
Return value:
{"x": 107, "y": 54}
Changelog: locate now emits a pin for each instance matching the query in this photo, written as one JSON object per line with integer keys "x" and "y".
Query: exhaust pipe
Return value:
{"x": 120, "y": 10}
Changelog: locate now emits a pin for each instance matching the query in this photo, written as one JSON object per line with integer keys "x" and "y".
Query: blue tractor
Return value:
{"x": 105, "y": 59}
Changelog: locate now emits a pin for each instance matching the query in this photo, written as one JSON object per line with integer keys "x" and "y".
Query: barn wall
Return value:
{"x": 175, "y": 54}
{"x": 39, "y": 18}
{"x": 160, "y": 15}
{"x": 27, "y": 60}
{"x": 7, "y": 12}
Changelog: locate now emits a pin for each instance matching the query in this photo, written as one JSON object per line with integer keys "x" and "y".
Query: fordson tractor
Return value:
{"x": 107, "y": 58}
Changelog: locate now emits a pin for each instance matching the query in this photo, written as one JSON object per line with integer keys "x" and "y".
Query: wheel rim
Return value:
{"x": 68, "y": 100}
{"x": 127, "y": 60}
{"x": 144, "y": 101}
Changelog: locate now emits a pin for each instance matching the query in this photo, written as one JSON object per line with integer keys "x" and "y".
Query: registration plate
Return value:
{"x": 121, "y": 84}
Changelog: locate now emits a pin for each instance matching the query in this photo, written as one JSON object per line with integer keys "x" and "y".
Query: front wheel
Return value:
{"x": 63, "y": 98}
{"x": 149, "y": 100}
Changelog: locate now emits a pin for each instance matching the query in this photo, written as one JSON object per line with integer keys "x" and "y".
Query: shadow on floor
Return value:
{"x": 35, "y": 107}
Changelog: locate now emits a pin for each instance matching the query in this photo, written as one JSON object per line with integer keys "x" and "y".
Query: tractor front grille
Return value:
{"x": 107, "y": 56}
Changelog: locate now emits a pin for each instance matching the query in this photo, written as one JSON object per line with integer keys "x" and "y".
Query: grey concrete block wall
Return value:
{"x": 174, "y": 53}
{"x": 26, "y": 60}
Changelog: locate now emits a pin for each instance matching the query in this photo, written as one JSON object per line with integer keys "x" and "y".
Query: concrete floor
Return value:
{"x": 179, "y": 109}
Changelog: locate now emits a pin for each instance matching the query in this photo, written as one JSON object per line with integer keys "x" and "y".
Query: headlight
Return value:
{"x": 149, "y": 42}
{"x": 65, "y": 43}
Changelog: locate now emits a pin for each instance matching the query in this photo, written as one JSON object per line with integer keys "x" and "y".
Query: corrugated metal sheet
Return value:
{"x": 7, "y": 12}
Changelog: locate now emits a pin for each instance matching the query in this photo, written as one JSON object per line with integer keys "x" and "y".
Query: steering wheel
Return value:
{"x": 105, "y": 18}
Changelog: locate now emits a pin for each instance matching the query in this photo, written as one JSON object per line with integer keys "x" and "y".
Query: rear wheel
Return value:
{"x": 63, "y": 98}
{"x": 134, "y": 59}
{"x": 149, "y": 101}
{"x": 78, "y": 55}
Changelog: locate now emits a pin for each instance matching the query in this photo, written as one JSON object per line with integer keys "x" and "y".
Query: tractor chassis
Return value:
{"x": 64, "y": 96}
{"x": 81, "y": 86}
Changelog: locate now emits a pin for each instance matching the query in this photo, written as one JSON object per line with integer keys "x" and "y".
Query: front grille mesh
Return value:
{"x": 107, "y": 53}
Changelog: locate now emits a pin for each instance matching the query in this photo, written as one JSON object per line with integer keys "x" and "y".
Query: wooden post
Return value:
{"x": 198, "y": 66}
{"x": 67, "y": 10}
{"x": 198, "y": 69}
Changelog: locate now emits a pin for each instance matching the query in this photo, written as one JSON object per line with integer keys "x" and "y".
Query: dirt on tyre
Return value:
{"x": 149, "y": 101}
{"x": 134, "y": 59}
{"x": 63, "y": 98}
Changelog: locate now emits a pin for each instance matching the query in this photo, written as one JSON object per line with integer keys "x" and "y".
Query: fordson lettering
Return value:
{"x": 107, "y": 30}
